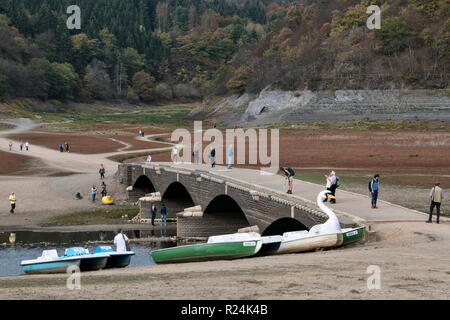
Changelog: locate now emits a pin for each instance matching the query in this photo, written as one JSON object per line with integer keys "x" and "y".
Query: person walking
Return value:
{"x": 230, "y": 155}
{"x": 175, "y": 154}
{"x": 153, "y": 210}
{"x": 212, "y": 156}
{"x": 10, "y": 145}
{"x": 289, "y": 173}
{"x": 196, "y": 153}
{"x": 27, "y": 145}
{"x": 12, "y": 202}
{"x": 121, "y": 241}
{"x": 93, "y": 193}
{"x": 104, "y": 192}
{"x": 61, "y": 147}
{"x": 66, "y": 144}
{"x": 102, "y": 172}
{"x": 149, "y": 158}
{"x": 163, "y": 211}
{"x": 374, "y": 188}
{"x": 331, "y": 186}
{"x": 21, "y": 145}
{"x": 436, "y": 195}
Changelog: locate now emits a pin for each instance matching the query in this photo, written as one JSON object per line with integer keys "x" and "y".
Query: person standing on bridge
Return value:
{"x": 27, "y": 145}
{"x": 196, "y": 153}
{"x": 212, "y": 156}
{"x": 10, "y": 145}
{"x": 289, "y": 173}
{"x": 67, "y": 146}
{"x": 175, "y": 154}
{"x": 436, "y": 195}
{"x": 230, "y": 155}
{"x": 163, "y": 214}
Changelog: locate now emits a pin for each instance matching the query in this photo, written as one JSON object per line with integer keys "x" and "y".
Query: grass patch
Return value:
{"x": 110, "y": 215}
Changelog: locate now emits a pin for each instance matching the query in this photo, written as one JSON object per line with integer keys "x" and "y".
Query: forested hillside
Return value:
{"x": 150, "y": 50}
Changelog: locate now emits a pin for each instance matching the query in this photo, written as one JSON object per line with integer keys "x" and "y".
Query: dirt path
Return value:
{"x": 41, "y": 197}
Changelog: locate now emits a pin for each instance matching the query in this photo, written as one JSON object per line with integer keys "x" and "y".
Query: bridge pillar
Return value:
{"x": 145, "y": 204}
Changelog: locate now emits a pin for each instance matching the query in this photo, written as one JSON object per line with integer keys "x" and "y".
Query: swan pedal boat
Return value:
{"x": 220, "y": 247}
{"x": 320, "y": 236}
{"x": 49, "y": 262}
{"x": 115, "y": 259}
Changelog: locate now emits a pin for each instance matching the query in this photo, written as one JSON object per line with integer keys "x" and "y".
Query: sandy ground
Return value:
{"x": 413, "y": 259}
{"x": 48, "y": 182}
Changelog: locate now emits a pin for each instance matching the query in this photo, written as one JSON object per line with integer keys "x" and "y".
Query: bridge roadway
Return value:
{"x": 350, "y": 207}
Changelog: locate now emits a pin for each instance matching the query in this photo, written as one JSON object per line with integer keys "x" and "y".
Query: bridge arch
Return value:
{"x": 224, "y": 215}
{"x": 176, "y": 198}
{"x": 278, "y": 227}
{"x": 143, "y": 185}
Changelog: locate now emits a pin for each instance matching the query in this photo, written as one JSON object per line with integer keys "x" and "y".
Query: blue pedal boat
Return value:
{"x": 116, "y": 259}
{"x": 49, "y": 262}
{"x": 88, "y": 261}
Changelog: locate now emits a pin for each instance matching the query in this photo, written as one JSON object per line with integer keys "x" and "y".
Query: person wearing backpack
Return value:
{"x": 289, "y": 173}
{"x": 331, "y": 186}
{"x": 374, "y": 187}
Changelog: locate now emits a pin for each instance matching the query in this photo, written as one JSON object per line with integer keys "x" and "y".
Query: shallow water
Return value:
{"x": 29, "y": 245}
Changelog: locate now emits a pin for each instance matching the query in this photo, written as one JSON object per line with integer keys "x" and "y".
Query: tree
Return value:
{"x": 193, "y": 17}
{"x": 97, "y": 83}
{"x": 181, "y": 18}
{"x": 394, "y": 35}
{"x": 132, "y": 61}
{"x": 3, "y": 82}
{"x": 63, "y": 80}
{"x": 143, "y": 85}
{"x": 162, "y": 15}
{"x": 83, "y": 51}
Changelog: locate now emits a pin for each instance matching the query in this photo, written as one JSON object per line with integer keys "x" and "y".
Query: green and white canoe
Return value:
{"x": 222, "y": 247}
{"x": 351, "y": 235}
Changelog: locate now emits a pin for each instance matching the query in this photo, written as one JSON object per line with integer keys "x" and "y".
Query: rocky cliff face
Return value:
{"x": 276, "y": 106}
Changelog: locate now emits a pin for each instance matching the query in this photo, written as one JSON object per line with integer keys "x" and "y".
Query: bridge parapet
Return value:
{"x": 260, "y": 205}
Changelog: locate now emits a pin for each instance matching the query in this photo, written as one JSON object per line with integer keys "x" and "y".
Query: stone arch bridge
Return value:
{"x": 227, "y": 203}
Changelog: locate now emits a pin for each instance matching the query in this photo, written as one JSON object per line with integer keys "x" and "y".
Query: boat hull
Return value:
{"x": 94, "y": 263}
{"x": 118, "y": 261}
{"x": 353, "y": 235}
{"x": 310, "y": 243}
{"x": 207, "y": 251}
{"x": 269, "y": 248}
{"x": 50, "y": 267}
